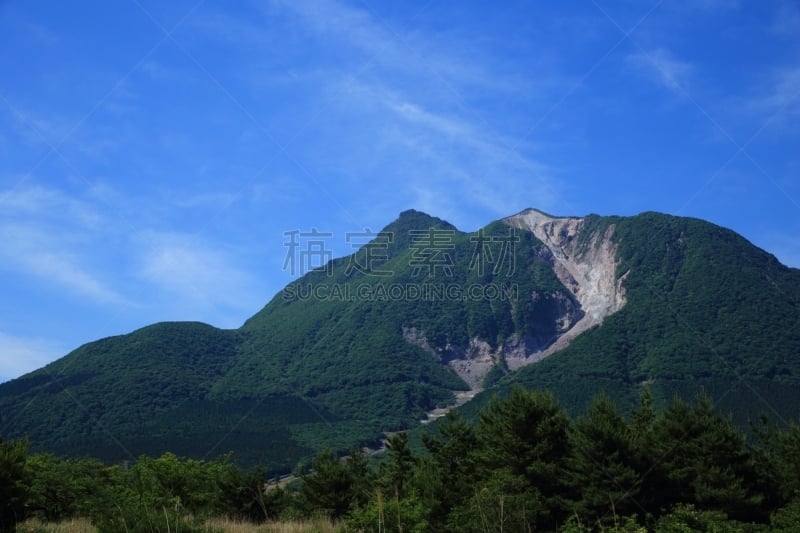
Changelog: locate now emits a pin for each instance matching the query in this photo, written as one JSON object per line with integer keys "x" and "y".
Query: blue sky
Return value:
{"x": 154, "y": 153}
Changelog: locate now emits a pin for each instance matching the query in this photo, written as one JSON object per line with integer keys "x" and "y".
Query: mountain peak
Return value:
{"x": 411, "y": 219}
{"x": 413, "y": 213}
{"x": 539, "y": 213}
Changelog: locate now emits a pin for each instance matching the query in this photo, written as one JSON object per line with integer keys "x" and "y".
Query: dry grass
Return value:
{"x": 79, "y": 525}
{"x": 76, "y": 525}
{"x": 318, "y": 525}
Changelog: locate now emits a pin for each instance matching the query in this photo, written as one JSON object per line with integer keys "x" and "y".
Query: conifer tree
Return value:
{"x": 400, "y": 468}
{"x": 13, "y": 455}
{"x": 447, "y": 476}
{"x": 523, "y": 446}
{"x": 602, "y": 464}
{"x": 335, "y": 486}
{"x": 698, "y": 457}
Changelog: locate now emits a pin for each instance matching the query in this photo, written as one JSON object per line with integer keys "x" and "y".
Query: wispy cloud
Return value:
{"x": 20, "y": 355}
{"x": 48, "y": 203}
{"x": 456, "y": 161}
{"x": 663, "y": 68}
{"x": 216, "y": 200}
{"x": 38, "y": 252}
{"x": 714, "y": 5}
{"x": 44, "y": 231}
{"x": 345, "y": 23}
{"x": 782, "y": 92}
{"x": 77, "y": 245}
{"x": 37, "y": 129}
{"x": 64, "y": 136}
{"x": 772, "y": 103}
{"x": 419, "y": 123}
{"x": 158, "y": 71}
{"x": 450, "y": 56}
{"x": 787, "y": 19}
{"x": 196, "y": 274}
{"x": 42, "y": 34}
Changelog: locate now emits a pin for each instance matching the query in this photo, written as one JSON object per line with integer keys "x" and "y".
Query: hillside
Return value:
{"x": 373, "y": 341}
{"x": 303, "y": 372}
{"x": 705, "y": 309}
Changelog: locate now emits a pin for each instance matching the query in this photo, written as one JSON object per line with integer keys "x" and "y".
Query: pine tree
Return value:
{"x": 523, "y": 447}
{"x": 335, "y": 486}
{"x": 400, "y": 468}
{"x": 642, "y": 417}
{"x": 446, "y": 477}
{"x": 699, "y": 458}
{"x": 787, "y": 460}
{"x": 13, "y": 455}
{"x": 602, "y": 464}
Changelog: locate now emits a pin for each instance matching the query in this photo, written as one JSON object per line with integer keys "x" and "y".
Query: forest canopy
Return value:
{"x": 524, "y": 464}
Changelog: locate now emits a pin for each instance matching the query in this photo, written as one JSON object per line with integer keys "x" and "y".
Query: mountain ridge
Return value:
{"x": 596, "y": 302}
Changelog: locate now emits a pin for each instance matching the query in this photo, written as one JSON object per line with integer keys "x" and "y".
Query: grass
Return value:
{"x": 317, "y": 525}
{"x": 75, "y": 525}
{"x": 81, "y": 525}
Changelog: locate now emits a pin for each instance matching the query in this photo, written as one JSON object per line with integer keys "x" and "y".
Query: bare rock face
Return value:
{"x": 471, "y": 362}
{"x": 588, "y": 272}
{"x": 585, "y": 265}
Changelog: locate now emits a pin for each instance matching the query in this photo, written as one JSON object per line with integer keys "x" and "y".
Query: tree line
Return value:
{"x": 523, "y": 465}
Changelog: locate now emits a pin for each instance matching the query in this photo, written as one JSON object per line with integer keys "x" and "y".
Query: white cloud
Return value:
{"x": 42, "y": 34}
{"x": 415, "y": 114}
{"x": 714, "y": 5}
{"x": 772, "y": 103}
{"x": 157, "y": 71}
{"x": 335, "y": 19}
{"x": 663, "y": 68}
{"x": 20, "y": 355}
{"x": 458, "y": 162}
{"x": 42, "y": 202}
{"x": 419, "y": 120}
{"x": 216, "y": 200}
{"x": 782, "y": 93}
{"x": 222, "y": 25}
{"x": 196, "y": 274}
{"x": 40, "y": 253}
{"x": 450, "y": 57}
{"x": 787, "y": 19}
{"x": 44, "y": 230}
{"x": 37, "y": 130}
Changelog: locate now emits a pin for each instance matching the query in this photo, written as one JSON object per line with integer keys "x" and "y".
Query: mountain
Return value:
{"x": 704, "y": 310}
{"x": 371, "y": 342}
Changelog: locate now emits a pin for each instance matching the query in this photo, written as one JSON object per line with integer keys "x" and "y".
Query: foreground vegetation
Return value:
{"x": 525, "y": 465}
{"x": 315, "y": 525}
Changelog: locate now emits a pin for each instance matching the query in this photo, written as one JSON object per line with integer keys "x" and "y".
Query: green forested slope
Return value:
{"x": 705, "y": 309}
{"x": 347, "y": 353}
{"x": 301, "y": 374}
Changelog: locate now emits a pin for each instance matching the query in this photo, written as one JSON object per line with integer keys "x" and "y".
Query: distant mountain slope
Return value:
{"x": 373, "y": 341}
{"x": 705, "y": 309}
{"x": 342, "y": 354}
